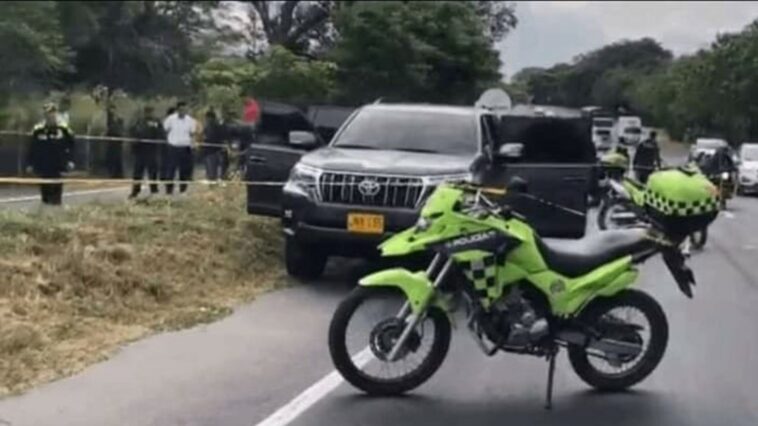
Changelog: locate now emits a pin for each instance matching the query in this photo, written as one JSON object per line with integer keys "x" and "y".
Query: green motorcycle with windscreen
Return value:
{"x": 517, "y": 292}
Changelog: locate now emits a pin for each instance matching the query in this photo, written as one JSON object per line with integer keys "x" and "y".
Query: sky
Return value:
{"x": 555, "y": 31}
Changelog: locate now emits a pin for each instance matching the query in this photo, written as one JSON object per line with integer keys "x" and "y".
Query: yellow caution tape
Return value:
{"x": 38, "y": 181}
{"x": 118, "y": 139}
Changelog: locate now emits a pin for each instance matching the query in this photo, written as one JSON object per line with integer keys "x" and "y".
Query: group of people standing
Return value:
{"x": 153, "y": 158}
{"x": 162, "y": 149}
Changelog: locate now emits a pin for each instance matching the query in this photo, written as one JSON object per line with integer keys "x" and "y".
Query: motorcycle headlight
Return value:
{"x": 305, "y": 179}
{"x": 725, "y": 176}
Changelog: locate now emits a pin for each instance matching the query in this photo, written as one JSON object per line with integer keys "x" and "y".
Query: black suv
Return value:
{"x": 371, "y": 180}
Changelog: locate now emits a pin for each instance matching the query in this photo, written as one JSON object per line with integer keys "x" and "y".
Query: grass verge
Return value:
{"x": 77, "y": 283}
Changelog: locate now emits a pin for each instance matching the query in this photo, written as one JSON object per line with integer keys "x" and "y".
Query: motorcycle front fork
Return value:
{"x": 412, "y": 320}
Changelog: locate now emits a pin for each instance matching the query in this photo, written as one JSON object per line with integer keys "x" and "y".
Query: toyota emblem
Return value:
{"x": 368, "y": 187}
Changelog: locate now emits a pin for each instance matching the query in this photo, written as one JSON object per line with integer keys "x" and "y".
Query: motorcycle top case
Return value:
{"x": 682, "y": 200}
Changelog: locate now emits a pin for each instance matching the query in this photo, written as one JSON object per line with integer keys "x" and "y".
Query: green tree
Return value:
{"x": 499, "y": 17}
{"x": 277, "y": 75}
{"x": 601, "y": 77}
{"x": 303, "y": 27}
{"x": 139, "y": 46}
{"x": 32, "y": 49}
{"x": 414, "y": 51}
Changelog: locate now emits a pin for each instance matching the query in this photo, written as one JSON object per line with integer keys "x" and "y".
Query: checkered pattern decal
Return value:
{"x": 482, "y": 273}
{"x": 680, "y": 208}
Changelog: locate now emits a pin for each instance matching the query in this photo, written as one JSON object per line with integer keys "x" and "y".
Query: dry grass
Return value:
{"x": 77, "y": 283}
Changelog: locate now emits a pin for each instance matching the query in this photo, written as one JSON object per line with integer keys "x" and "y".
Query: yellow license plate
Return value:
{"x": 363, "y": 223}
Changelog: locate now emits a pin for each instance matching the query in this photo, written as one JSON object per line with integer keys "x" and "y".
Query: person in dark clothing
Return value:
{"x": 721, "y": 161}
{"x": 647, "y": 158}
{"x": 149, "y": 128}
{"x": 114, "y": 153}
{"x": 51, "y": 152}
{"x": 216, "y": 157}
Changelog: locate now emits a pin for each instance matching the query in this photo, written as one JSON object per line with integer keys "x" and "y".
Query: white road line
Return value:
{"x": 287, "y": 413}
{"x": 65, "y": 194}
{"x": 729, "y": 215}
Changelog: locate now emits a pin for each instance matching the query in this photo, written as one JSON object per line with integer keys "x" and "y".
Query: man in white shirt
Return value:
{"x": 64, "y": 117}
{"x": 180, "y": 131}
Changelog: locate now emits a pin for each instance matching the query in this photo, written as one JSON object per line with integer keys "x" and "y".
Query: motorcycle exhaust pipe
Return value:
{"x": 604, "y": 347}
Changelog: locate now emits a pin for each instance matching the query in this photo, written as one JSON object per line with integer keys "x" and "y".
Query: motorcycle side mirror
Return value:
{"x": 518, "y": 185}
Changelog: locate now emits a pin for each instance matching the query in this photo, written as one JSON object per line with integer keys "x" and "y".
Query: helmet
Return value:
{"x": 615, "y": 159}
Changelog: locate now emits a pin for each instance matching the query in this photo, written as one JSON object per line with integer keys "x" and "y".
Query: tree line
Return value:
{"x": 299, "y": 51}
{"x": 712, "y": 92}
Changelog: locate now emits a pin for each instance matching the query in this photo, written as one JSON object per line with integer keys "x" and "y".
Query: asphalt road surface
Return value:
{"x": 27, "y": 197}
{"x": 270, "y": 357}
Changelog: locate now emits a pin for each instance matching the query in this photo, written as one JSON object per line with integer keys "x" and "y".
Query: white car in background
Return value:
{"x": 628, "y": 130}
{"x": 748, "y": 169}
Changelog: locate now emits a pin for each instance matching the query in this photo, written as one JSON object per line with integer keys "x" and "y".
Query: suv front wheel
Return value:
{"x": 304, "y": 262}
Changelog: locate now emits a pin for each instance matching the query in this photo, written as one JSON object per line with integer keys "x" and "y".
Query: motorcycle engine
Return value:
{"x": 513, "y": 321}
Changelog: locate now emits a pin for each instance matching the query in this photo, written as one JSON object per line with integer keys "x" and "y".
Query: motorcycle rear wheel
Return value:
{"x": 357, "y": 374}
{"x": 644, "y": 363}
{"x": 699, "y": 238}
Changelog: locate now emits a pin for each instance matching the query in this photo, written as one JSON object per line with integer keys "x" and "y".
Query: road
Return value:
{"x": 27, "y": 197}
{"x": 241, "y": 370}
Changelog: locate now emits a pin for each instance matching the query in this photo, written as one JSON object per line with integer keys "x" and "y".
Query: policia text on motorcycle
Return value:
{"x": 50, "y": 154}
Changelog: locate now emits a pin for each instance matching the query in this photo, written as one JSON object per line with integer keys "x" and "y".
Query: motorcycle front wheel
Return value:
{"x": 365, "y": 328}
{"x": 631, "y": 317}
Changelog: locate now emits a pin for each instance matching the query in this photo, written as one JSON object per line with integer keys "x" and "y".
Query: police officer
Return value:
{"x": 720, "y": 162}
{"x": 150, "y": 129}
{"x": 50, "y": 153}
{"x": 647, "y": 158}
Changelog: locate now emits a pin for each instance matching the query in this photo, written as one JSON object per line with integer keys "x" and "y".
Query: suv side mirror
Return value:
{"x": 510, "y": 151}
{"x": 302, "y": 139}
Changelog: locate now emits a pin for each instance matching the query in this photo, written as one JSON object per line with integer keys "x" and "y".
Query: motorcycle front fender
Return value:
{"x": 416, "y": 286}
{"x": 401, "y": 244}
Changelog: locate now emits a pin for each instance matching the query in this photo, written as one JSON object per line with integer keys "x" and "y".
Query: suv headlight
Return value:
{"x": 456, "y": 177}
{"x": 305, "y": 179}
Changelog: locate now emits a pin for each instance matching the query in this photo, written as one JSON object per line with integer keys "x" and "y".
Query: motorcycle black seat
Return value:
{"x": 574, "y": 258}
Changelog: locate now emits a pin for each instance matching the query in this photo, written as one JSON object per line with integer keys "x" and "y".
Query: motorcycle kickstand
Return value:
{"x": 550, "y": 374}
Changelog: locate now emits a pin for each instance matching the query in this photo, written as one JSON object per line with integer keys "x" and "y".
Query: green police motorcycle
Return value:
{"x": 516, "y": 292}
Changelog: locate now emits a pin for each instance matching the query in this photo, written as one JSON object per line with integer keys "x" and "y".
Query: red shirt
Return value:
{"x": 252, "y": 111}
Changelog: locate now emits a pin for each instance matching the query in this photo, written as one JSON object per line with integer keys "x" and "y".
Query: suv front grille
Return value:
{"x": 370, "y": 190}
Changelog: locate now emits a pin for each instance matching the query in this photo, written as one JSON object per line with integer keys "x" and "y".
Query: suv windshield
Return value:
{"x": 709, "y": 143}
{"x": 602, "y": 122}
{"x": 749, "y": 153}
{"x": 416, "y": 131}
